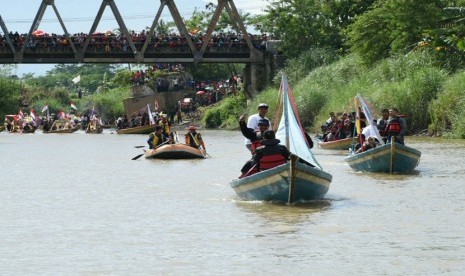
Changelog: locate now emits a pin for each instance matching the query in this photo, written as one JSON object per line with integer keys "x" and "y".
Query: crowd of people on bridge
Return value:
{"x": 115, "y": 42}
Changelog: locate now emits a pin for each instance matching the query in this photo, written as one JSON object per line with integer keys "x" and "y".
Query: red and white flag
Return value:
{"x": 73, "y": 106}
{"x": 33, "y": 114}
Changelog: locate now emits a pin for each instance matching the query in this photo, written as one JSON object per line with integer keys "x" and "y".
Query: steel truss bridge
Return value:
{"x": 85, "y": 50}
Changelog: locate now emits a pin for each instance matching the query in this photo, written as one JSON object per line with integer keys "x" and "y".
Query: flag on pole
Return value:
{"x": 45, "y": 108}
{"x": 77, "y": 79}
{"x": 33, "y": 115}
{"x": 152, "y": 121}
{"x": 73, "y": 106}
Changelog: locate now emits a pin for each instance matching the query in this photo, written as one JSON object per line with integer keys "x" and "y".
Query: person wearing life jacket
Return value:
{"x": 194, "y": 139}
{"x": 166, "y": 126}
{"x": 157, "y": 138}
{"x": 396, "y": 127}
{"x": 271, "y": 153}
{"x": 255, "y": 137}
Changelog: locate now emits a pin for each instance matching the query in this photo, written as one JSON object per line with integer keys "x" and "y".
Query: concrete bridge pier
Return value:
{"x": 256, "y": 77}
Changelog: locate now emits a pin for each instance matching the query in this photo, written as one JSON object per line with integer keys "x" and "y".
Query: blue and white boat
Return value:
{"x": 388, "y": 158}
{"x": 295, "y": 180}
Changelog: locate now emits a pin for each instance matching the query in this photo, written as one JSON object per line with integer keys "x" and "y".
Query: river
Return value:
{"x": 76, "y": 204}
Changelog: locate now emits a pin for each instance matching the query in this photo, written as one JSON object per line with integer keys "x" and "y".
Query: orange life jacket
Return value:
{"x": 257, "y": 143}
{"x": 271, "y": 161}
{"x": 393, "y": 127}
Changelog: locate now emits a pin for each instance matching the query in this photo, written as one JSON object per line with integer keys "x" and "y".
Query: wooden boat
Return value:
{"x": 390, "y": 158}
{"x": 293, "y": 181}
{"x": 341, "y": 144}
{"x": 386, "y": 158}
{"x": 97, "y": 130}
{"x": 68, "y": 130}
{"x": 25, "y": 130}
{"x": 147, "y": 129}
{"x": 175, "y": 151}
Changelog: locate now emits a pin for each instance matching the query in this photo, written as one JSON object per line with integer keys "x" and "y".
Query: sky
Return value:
{"x": 79, "y": 15}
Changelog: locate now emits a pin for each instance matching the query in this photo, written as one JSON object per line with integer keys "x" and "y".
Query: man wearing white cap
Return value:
{"x": 254, "y": 119}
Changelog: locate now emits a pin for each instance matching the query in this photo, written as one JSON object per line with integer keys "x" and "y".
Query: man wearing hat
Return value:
{"x": 194, "y": 139}
{"x": 157, "y": 138}
{"x": 166, "y": 126}
{"x": 253, "y": 122}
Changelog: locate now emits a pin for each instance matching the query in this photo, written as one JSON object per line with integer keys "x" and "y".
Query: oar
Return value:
{"x": 138, "y": 156}
{"x": 138, "y": 147}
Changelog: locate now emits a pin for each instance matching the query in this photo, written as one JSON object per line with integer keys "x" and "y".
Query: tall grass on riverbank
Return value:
{"x": 448, "y": 110}
{"x": 427, "y": 95}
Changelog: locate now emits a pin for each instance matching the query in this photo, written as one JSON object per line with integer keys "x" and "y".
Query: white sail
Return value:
{"x": 371, "y": 129}
{"x": 289, "y": 132}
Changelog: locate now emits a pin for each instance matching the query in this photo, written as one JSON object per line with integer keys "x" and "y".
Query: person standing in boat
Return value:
{"x": 157, "y": 138}
{"x": 194, "y": 139}
{"x": 253, "y": 122}
{"x": 166, "y": 126}
{"x": 254, "y": 136}
{"x": 271, "y": 153}
{"x": 382, "y": 122}
{"x": 396, "y": 127}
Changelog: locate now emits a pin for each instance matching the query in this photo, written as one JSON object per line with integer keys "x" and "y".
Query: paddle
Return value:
{"x": 138, "y": 156}
{"x": 138, "y": 147}
{"x": 199, "y": 146}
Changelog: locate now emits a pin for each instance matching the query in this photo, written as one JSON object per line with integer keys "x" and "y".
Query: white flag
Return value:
{"x": 77, "y": 79}
{"x": 152, "y": 121}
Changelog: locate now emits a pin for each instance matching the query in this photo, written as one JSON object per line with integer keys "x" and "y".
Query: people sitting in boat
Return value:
{"x": 329, "y": 125}
{"x": 271, "y": 153}
{"x": 254, "y": 136}
{"x": 396, "y": 127}
{"x": 349, "y": 125}
{"x": 370, "y": 143}
{"x": 331, "y": 134}
{"x": 194, "y": 139}
{"x": 157, "y": 138}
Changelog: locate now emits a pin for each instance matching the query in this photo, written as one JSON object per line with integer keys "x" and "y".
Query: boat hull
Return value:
{"x": 405, "y": 159}
{"x": 147, "y": 129}
{"x": 175, "y": 151}
{"x": 95, "y": 131}
{"x": 273, "y": 184}
{"x": 69, "y": 130}
{"x": 342, "y": 144}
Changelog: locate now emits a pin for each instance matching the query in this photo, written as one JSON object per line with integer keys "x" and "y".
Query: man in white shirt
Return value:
{"x": 253, "y": 121}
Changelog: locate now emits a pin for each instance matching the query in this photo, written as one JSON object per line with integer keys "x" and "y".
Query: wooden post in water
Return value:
{"x": 393, "y": 151}
{"x": 292, "y": 178}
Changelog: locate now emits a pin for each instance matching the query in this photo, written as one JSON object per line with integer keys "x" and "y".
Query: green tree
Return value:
{"x": 392, "y": 26}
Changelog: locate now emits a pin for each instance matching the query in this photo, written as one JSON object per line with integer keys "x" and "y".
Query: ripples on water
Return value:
{"x": 78, "y": 205}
